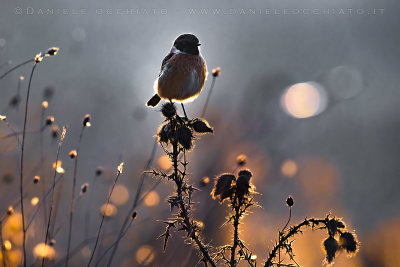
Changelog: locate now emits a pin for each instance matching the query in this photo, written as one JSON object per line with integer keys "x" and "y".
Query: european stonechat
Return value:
{"x": 183, "y": 72}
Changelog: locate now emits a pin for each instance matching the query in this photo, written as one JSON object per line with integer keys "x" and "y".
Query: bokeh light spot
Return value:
{"x": 42, "y": 250}
{"x": 304, "y": 100}
{"x": 164, "y": 162}
{"x": 108, "y": 210}
{"x": 152, "y": 199}
{"x": 289, "y": 168}
{"x": 145, "y": 255}
{"x": 120, "y": 195}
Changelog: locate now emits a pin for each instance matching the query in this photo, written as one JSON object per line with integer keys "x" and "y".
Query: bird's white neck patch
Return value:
{"x": 175, "y": 50}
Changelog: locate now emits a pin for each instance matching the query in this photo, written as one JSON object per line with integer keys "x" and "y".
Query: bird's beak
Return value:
{"x": 198, "y": 44}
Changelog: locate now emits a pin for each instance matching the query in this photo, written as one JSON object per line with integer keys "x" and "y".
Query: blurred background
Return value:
{"x": 308, "y": 92}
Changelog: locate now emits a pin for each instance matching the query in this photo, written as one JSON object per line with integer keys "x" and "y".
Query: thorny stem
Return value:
{"x": 291, "y": 232}
{"x": 52, "y": 191}
{"x": 21, "y": 189}
{"x": 186, "y": 220}
{"x": 283, "y": 229}
{"x": 103, "y": 216}
{"x": 71, "y": 212}
{"x": 235, "y": 236}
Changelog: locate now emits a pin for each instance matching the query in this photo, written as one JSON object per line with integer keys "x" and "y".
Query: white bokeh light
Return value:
{"x": 304, "y": 100}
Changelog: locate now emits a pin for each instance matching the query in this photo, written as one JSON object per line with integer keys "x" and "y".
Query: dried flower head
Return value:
{"x": 99, "y": 171}
{"x": 84, "y": 188}
{"x": 216, "y": 72}
{"x": 241, "y": 159}
{"x": 348, "y": 242}
{"x": 49, "y": 120}
{"x": 121, "y": 167}
{"x": 63, "y": 133}
{"x": 58, "y": 167}
{"x": 246, "y": 173}
{"x": 72, "y": 154}
{"x": 36, "y": 179}
{"x": 10, "y": 211}
{"x": 205, "y": 181}
{"x": 223, "y": 187}
{"x": 243, "y": 183}
{"x": 86, "y": 120}
{"x": 52, "y": 242}
{"x": 38, "y": 58}
{"x": 14, "y": 101}
{"x": 52, "y": 51}
{"x": 164, "y": 133}
{"x": 48, "y": 93}
{"x": 201, "y": 126}
{"x": 45, "y": 104}
{"x": 331, "y": 247}
{"x": 55, "y": 131}
{"x": 168, "y": 110}
{"x": 8, "y": 177}
{"x": 290, "y": 201}
{"x": 333, "y": 225}
{"x": 185, "y": 136}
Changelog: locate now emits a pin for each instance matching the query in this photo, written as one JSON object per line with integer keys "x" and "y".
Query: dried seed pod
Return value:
{"x": 201, "y": 126}
{"x": 164, "y": 133}
{"x": 52, "y": 51}
{"x": 73, "y": 154}
{"x": 99, "y": 171}
{"x": 14, "y": 101}
{"x": 348, "y": 242}
{"x": 36, "y": 179}
{"x": 290, "y": 201}
{"x": 185, "y": 137}
{"x": 168, "y": 110}
{"x": 84, "y": 188}
{"x": 48, "y": 93}
{"x": 331, "y": 247}
{"x": 241, "y": 159}
{"x": 86, "y": 120}
{"x": 49, "y": 120}
{"x": 216, "y": 72}
{"x": 223, "y": 186}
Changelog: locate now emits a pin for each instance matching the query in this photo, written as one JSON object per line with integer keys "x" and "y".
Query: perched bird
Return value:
{"x": 183, "y": 72}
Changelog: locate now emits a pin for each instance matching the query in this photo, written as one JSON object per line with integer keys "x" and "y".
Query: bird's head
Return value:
{"x": 187, "y": 43}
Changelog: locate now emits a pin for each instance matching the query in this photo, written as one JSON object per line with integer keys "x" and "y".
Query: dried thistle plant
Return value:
{"x": 176, "y": 135}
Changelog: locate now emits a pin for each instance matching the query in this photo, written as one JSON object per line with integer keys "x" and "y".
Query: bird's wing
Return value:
{"x": 164, "y": 62}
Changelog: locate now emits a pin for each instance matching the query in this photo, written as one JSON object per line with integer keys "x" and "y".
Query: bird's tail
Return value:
{"x": 154, "y": 100}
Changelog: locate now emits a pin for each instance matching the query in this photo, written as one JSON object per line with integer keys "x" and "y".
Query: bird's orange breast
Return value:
{"x": 182, "y": 78}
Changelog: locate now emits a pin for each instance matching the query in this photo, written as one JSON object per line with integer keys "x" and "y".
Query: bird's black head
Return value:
{"x": 187, "y": 43}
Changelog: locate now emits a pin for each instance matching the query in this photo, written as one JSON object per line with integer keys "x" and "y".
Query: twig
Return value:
{"x": 134, "y": 204}
{"x": 71, "y": 212}
{"x": 52, "y": 190}
{"x": 291, "y": 232}
{"x": 16, "y": 67}
{"x": 21, "y": 190}
{"x": 208, "y": 96}
{"x": 104, "y": 213}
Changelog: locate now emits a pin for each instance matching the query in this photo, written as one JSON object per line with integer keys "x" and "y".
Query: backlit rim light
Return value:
{"x": 304, "y": 100}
